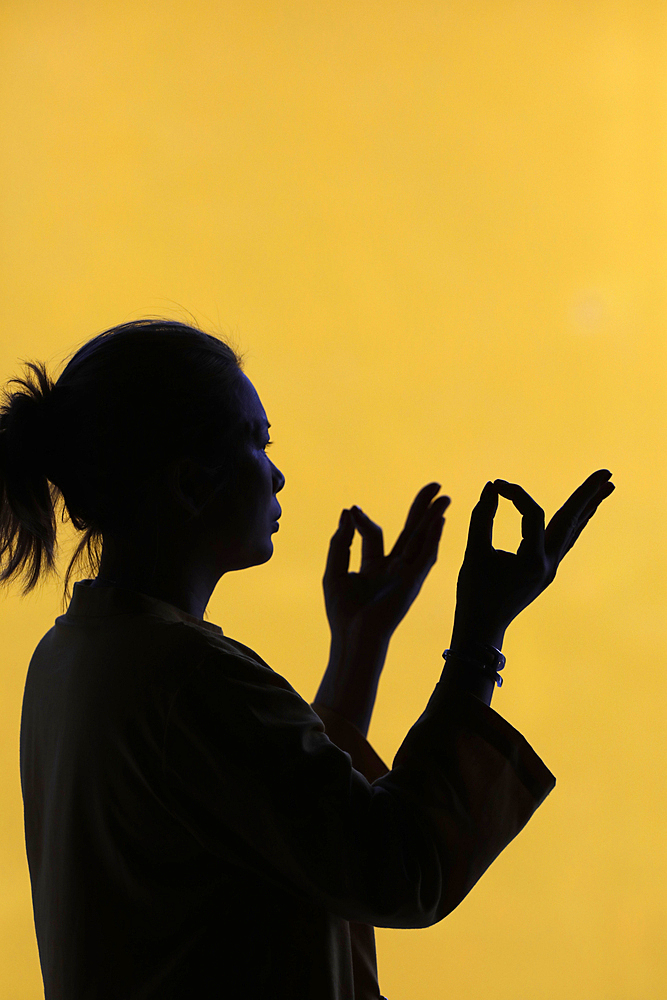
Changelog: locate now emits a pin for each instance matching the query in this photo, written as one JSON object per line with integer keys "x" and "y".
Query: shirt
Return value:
{"x": 195, "y": 829}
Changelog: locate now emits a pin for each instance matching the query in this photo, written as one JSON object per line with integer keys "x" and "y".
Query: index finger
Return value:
{"x": 532, "y": 515}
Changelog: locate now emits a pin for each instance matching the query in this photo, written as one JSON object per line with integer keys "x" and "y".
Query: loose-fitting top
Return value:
{"x": 195, "y": 830}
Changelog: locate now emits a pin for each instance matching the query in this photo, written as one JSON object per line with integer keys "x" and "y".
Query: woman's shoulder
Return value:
{"x": 216, "y": 654}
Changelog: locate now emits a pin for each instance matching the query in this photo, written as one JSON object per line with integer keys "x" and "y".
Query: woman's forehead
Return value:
{"x": 252, "y": 412}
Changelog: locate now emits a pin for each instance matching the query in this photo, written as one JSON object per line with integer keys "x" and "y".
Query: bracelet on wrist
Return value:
{"x": 486, "y": 658}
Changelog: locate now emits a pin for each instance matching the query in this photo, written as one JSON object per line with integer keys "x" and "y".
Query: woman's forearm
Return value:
{"x": 350, "y": 682}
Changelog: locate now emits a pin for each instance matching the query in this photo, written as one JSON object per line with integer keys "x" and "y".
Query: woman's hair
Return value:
{"x": 104, "y": 440}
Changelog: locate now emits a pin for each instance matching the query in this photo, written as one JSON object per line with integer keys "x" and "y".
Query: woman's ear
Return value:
{"x": 185, "y": 483}
{"x": 193, "y": 485}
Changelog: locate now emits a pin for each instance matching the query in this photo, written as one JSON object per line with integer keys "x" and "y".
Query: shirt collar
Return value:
{"x": 110, "y": 600}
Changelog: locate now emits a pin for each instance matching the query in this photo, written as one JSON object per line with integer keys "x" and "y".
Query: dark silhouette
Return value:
{"x": 141, "y": 428}
{"x": 193, "y": 827}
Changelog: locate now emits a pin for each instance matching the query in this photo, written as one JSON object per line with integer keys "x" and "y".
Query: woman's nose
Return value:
{"x": 279, "y": 479}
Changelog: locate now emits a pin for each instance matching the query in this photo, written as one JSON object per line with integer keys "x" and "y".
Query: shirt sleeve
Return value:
{"x": 253, "y": 776}
{"x": 345, "y": 735}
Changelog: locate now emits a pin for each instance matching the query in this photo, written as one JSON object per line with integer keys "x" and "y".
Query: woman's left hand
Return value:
{"x": 377, "y": 598}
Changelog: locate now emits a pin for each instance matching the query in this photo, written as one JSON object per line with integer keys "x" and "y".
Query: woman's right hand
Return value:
{"x": 495, "y": 586}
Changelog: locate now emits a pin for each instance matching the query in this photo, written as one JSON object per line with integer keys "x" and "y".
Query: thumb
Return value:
{"x": 480, "y": 533}
{"x": 338, "y": 560}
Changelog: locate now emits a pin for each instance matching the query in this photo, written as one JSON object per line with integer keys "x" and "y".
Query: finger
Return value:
{"x": 372, "y": 539}
{"x": 606, "y": 490}
{"x": 532, "y": 516}
{"x": 420, "y": 546}
{"x": 423, "y": 561}
{"x": 338, "y": 560}
{"x": 419, "y": 507}
{"x": 582, "y": 503}
{"x": 480, "y": 533}
{"x": 420, "y": 542}
{"x": 587, "y": 491}
{"x": 429, "y": 553}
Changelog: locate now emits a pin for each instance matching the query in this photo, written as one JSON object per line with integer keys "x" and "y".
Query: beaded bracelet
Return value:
{"x": 490, "y": 661}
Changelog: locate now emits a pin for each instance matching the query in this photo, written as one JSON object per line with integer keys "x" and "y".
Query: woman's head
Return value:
{"x": 146, "y": 431}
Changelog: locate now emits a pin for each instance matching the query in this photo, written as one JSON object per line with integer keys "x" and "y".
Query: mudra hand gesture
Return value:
{"x": 493, "y": 585}
{"x": 378, "y": 597}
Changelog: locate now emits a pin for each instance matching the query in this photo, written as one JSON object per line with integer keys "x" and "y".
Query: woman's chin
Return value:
{"x": 260, "y": 554}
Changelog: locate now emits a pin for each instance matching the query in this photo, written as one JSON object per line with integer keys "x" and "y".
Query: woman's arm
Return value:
{"x": 350, "y": 682}
{"x": 493, "y": 587}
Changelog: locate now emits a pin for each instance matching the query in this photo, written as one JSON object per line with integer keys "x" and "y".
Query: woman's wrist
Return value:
{"x": 465, "y": 636}
{"x": 459, "y": 675}
{"x": 468, "y": 657}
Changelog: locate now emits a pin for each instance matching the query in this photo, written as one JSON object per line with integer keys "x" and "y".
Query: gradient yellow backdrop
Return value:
{"x": 439, "y": 231}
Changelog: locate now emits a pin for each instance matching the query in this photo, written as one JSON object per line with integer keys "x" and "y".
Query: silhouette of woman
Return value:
{"x": 193, "y": 827}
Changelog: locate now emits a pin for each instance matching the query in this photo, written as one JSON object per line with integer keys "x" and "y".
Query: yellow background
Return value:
{"x": 439, "y": 231}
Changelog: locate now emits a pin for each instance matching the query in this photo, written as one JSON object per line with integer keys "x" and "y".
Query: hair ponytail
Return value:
{"x": 27, "y": 499}
{"x": 105, "y": 438}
